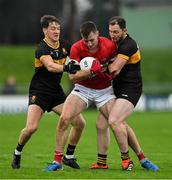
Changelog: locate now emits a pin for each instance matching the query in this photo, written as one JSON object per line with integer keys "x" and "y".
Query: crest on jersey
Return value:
{"x": 64, "y": 51}
{"x": 57, "y": 53}
{"x": 33, "y": 99}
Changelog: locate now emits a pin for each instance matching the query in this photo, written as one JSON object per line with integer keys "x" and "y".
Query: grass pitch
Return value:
{"x": 153, "y": 130}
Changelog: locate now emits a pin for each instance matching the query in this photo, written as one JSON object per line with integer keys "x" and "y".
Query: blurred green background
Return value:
{"x": 148, "y": 22}
{"x": 156, "y": 68}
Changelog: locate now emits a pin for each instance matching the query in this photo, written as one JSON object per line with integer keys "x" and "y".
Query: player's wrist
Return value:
{"x": 66, "y": 68}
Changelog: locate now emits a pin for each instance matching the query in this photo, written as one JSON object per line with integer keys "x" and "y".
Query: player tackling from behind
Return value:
{"x": 127, "y": 86}
{"x": 45, "y": 92}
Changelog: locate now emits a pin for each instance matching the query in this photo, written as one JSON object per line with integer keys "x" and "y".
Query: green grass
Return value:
{"x": 19, "y": 61}
{"x": 152, "y": 128}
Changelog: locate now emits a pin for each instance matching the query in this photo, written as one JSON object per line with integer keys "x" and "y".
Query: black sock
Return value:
{"x": 70, "y": 149}
{"x": 102, "y": 159}
{"x": 19, "y": 147}
{"x": 125, "y": 155}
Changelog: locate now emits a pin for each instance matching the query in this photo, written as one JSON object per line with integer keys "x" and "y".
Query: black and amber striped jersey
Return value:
{"x": 129, "y": 50}
{"x": 129, "y": 81}
{"x": 44, "y": 81}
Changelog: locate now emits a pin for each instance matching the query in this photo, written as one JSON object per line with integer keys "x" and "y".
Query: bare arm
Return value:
{"x": 117, "y": 65}
{"x": 80, "y": 75}
{"x": 50, "y": 65}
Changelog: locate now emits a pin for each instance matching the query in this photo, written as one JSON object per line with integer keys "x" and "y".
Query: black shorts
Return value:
{"x": 128, "y": 94}
{"x": 128, "y": 84}
{"x": 46, "y": 102}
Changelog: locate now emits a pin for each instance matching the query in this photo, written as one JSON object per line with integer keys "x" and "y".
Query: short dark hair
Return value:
{"x": 118, "y": 20}
{"x": 87, "y": 27}
{"x": 46, "y": 19}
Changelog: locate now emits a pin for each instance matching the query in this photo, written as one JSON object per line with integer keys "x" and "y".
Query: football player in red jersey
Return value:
{"x": 91, "y": 86}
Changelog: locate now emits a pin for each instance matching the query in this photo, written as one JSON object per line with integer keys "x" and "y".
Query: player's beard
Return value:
{"x": 119, "y": 40}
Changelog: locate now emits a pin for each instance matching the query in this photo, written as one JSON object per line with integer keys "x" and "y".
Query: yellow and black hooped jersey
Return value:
{"x": 129, "y": 79}
{"x": 129, "y": 50}
{"x": 44, "y": 81}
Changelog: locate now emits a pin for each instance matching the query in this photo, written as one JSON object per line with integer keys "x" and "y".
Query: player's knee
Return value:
{"x": 101, "y": 126}
{"x": 114, "y": 122}
{"x": 30, "y": 130}
{"x": 117, "y": 126}
{"x": 64, "y": 122}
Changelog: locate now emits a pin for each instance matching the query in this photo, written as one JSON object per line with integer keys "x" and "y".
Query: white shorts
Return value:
{"x": 97, "y": 96}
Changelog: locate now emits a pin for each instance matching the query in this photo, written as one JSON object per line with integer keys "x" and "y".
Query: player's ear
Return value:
{"x": 125, "y": 30}
{"x": 44, "y": 30}
{"x": 97, "y": 33}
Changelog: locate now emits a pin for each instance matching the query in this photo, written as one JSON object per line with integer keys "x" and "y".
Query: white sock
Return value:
{"x": 17, "y": 152}
{"x": 69, "y": 156}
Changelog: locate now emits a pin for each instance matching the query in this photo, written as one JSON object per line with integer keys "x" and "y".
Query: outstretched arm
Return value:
{"x": 48, "y": 62}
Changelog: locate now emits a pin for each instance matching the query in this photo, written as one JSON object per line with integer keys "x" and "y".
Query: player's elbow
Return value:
{"x": 117, "y": 72}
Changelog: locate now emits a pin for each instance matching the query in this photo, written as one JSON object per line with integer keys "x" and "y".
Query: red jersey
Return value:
{"x": 106, "y": 51}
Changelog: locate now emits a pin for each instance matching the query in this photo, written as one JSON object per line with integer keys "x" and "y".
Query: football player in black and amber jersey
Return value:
{"x": 45, "y": 92}
{"x": 127, "y": 85}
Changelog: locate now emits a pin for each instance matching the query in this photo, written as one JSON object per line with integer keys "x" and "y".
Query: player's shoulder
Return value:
{"x": 129, "y": 41}
{"x": 127, "y": 46}
{"x": 106, "y": 43}
{"x": 41, "y": 46}
{"x": 78, "y": 43}
{"x": 65, "y": 45}
{"x": 105, "y": 39}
